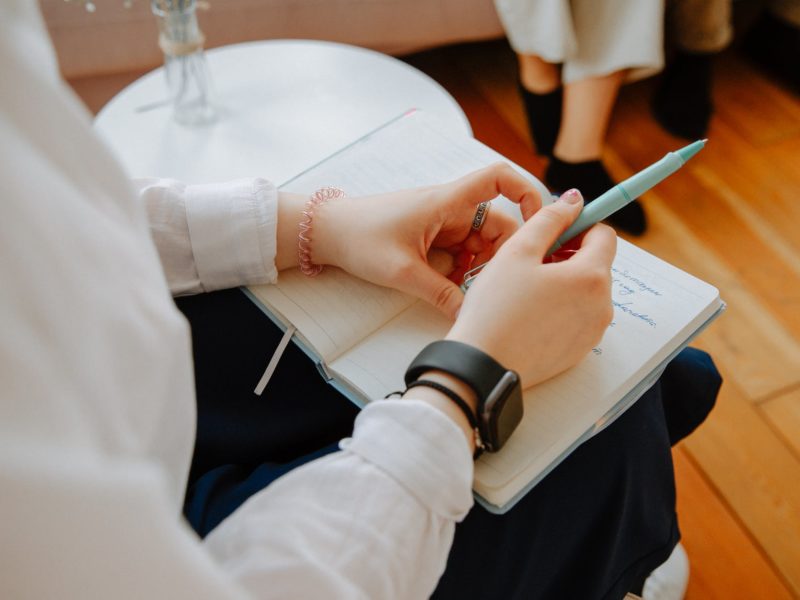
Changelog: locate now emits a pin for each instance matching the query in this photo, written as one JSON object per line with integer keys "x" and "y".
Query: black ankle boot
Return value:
{"x": 544, "y": 117}
{"x": 682, "y": 101}
{"x": 592, "y": 179}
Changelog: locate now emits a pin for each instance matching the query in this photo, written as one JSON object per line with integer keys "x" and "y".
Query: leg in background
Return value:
{"x": 587, "y": 108}
{"x": 536, "y": 75}
{"x": 699, "y": 30}
{"x": 540, "y": 88}
{"x": 588, "y": 40}
{"x": 773, "y": 42}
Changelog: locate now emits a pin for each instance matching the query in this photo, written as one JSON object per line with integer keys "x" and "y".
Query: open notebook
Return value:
{"x": 363, "y": 336}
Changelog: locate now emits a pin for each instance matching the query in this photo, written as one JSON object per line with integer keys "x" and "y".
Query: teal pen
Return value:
{"x": 627, "y": 191}
{"x": 617, "y": 197}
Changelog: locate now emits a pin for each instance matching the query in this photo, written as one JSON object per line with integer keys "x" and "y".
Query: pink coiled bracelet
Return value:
{"x": 322, "y": 195}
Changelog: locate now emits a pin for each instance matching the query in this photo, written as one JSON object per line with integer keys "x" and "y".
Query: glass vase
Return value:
{"x": 185, "y": 64}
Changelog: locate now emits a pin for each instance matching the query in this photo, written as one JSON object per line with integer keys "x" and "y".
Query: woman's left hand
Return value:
{"x": 421, "y": 241}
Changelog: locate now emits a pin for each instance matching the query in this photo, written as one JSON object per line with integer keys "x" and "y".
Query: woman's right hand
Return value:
{"x": 535, "y": 317}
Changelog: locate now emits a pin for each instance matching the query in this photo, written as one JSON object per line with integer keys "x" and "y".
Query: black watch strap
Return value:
{"x": 468, "y": 364}
{"x": 461, "y": 404}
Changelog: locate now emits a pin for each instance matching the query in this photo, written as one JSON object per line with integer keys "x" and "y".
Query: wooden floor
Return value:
{"x": 732, "y": 217}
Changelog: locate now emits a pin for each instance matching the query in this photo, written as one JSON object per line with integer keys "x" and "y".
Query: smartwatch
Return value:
{"x": 497, "y": 388}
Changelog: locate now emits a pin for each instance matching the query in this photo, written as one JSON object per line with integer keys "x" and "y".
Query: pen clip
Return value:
{"x": 470, "y": 276}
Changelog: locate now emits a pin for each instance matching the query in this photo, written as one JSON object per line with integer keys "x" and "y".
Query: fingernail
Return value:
{"x": 572, "y": 196}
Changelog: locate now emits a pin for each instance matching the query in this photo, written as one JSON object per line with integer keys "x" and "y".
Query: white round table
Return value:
{"x": 284, "y": 105}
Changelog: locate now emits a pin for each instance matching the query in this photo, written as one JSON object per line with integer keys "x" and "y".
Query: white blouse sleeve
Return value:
{"x": 212, "y": 236}
{"x": 374, "y": 521}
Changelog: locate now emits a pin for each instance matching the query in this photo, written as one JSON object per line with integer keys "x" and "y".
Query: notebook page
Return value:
{"x": 377, "y": 365}
{"x": 657, "y": 307}
{"x": 334, "y": 310}
{"x": 411, "y": 151}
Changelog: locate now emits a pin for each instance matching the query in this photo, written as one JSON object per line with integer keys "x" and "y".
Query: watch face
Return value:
{"x": 502, "y": 412}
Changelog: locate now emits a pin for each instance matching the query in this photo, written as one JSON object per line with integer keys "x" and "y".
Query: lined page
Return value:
{"x": 411, "y": 151}
{"x": 377, "y": 365}
{"x": 333, "y": 310}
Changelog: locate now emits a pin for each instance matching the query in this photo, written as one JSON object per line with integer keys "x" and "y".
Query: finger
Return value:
{"x": 498, "y": 227}
{"x": 463, "y": 263}
{"x": 560, "y": 255}
{"x": 436, "y": 289}
{"x": 441, "y": 261}
{"x": 567, "y": 249}
{"x": 474, "y": 243}
{"x": 496, "y": 180}
{"x": 484, "y": 256}
{"x": 452, "y": 263}
{"x": 492, "y": 235}
{"x": 541, "y": 231}
{"x": 598, "y": 246}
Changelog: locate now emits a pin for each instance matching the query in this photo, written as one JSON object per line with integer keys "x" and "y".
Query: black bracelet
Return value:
{"x": 459, "y": 401}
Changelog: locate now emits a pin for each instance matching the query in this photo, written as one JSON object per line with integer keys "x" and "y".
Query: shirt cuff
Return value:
{"x": 233, "y": 228}
{"x": 419, "y": 447}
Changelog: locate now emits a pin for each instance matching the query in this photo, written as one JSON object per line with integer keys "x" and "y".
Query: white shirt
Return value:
{"x": 97, "y": 403}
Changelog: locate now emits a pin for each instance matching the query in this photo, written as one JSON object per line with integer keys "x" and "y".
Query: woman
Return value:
{"x": 573, "y": 56}
{"x": 98, "y": 406}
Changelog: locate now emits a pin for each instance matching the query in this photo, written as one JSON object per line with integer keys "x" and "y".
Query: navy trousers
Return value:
{"x": 593, "y": 528}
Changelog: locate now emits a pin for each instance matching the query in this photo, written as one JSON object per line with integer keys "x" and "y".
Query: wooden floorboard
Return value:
{"x": 756, "y": 475}
{"x": 732, "y": 217}
{"x": 757, "y": 108}
{"x": 733, "y": 566}
{"x": 783, "y": 415}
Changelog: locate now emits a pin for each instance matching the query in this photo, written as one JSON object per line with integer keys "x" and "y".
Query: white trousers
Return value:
{"x": 590, "y": 38}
